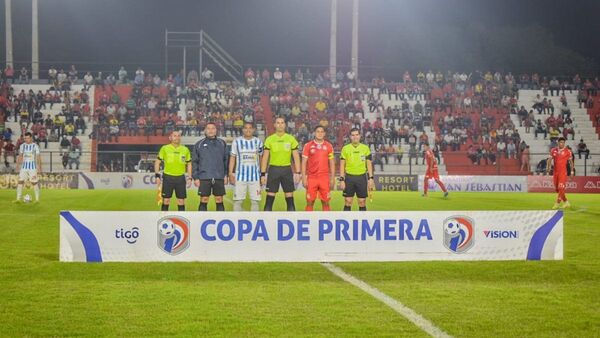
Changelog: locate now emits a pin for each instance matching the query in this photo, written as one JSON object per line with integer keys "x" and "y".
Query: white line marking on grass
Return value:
{"x": 400, "y": 308}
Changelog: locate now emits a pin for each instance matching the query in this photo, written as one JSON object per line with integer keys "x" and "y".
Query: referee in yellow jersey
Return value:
{"x": 279, "y": 149}
{"x": 177, "y": 162}
{"x": 356, "y": 172}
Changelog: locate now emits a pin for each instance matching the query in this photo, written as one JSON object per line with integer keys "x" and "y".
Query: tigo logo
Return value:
{"x": 130, "y": 236}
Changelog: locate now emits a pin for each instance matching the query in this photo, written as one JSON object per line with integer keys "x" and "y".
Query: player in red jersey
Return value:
{"x": 318, "y": 170}
{"x": 432, "y": 171}
{"x": 560, "y": 156}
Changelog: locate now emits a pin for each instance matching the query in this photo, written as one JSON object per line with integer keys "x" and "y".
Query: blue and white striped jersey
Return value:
{"x": 30, "y": 153}
{"x": 247, "y": 153}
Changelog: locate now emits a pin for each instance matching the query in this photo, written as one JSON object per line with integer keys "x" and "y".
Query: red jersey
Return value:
{"x": 561, "y": 158}
{"x": 431, "y": 161}
{"x": 318, "y": 155}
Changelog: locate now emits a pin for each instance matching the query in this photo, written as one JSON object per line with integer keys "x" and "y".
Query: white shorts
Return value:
{"x": 28, "y": 175}
{"x": 252, "y": 188}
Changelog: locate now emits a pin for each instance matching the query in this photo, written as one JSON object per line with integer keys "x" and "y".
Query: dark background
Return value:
{"x": 546, "y": 36}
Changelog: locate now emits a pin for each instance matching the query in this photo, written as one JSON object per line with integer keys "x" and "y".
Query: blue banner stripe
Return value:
{"x": 89, "y": 241}
{"x": 539, "y": 237}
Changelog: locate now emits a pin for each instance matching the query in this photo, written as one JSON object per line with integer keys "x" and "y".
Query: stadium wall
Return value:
{"x": 383, "y": 182}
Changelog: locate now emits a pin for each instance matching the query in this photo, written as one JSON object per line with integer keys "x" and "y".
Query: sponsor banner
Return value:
{"x": 384, "y": 182}
{"x": 135, "y": 236}
{"x": 577, "y": 184}
{"x": 46, "y": 181}
{"x": 478, "y": 183}
{"x": 100, "y": 180}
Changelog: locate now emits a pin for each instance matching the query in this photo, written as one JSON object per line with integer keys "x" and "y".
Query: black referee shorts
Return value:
{"x": 171, "y": 183}
{"x": 211, "y": 187}
{"x": 356, "y": 185}
{"x": 280, "y": 176}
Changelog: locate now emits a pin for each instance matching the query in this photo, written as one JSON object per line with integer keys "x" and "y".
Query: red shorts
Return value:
{"x": 560, "y": 180}
{"x": 432, "y": 174}
{"x": 318, "y": 186}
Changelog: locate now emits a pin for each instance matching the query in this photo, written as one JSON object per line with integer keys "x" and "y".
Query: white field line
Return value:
{"x": 400, "y": 308}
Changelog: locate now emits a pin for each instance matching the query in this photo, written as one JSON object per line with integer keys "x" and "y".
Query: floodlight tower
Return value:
{"x": 35, "y": 52}
{"x": 8, "y": 31}
{"x": 333, "y": 41}
{"x": 354, "y": 57}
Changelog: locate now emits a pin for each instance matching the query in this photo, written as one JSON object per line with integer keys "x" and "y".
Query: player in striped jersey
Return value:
{"x": 244, "y": 168}
{"x": 28, "y": 165}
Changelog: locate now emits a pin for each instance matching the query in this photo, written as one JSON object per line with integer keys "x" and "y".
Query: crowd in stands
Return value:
{"x": 25, "y": 108}
{"x": 469, "y": 112}
{"x": 157, "y": 107}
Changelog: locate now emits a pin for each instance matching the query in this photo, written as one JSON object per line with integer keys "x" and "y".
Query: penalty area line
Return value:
{"x": 395, "y": 305}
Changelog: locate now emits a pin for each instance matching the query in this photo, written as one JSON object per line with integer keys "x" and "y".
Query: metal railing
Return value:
{"x": 366, "y": 72}
{"x": 408, "y": 163}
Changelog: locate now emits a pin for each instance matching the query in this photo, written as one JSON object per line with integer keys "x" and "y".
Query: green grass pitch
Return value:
{"x": 40, "y": 296}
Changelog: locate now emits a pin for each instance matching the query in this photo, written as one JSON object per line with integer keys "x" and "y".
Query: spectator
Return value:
{"x": 42, "y": 136}
{"x": 568, "y": 130}
{"x": 75, "y": 142}
{"x": 65, "y": 144}
{"x": 540, "y": 168}
{"x": 525, "y": 158}
{"x": 399, "y": 154}
{"x": 9, "y": 73}
{"x": 52, "y": 73}
{"x": 73, "y": 74}
{"x": 540, "y": 128}
{"x": 73, "y": 157}
{"x": 138, "y": 79}
{"x": 24, "y": 76}
{"x": 554, "y": 134}
{"x": 9, "y": 151}
{"x": 501, "y": 148}
{"x": 69, "y": 129}
{"x": 88, "y": 81}
{"x": 412, "y": 153}
{"x": 472, "y": 155}
{"x": 582, "y": 148}
{"x": 207, "y": 75}
{"x": 511, "y": 150}
{"x": 277, "y": 75}
{"x": 61, "y": 78}
{"x": 122, "y": 75}
{"x": 80, "y": 126}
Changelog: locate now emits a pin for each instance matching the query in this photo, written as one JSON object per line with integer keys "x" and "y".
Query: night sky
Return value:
{"x": 274, "y": 32}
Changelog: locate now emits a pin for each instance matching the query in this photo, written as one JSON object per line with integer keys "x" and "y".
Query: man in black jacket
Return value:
{"x": 209, "y": 168}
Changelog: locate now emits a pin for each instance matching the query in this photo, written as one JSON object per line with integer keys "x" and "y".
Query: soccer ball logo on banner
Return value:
{"x": 458, "y": 233}
{"x": 173, "y": 234}
{"x": 127, "y": 181}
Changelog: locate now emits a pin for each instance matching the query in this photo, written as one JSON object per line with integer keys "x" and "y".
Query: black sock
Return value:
{"x": 203, "y": 207}
{"x": 180, "y": 207}
{"x": 290, "y": 204}
{"x": 220, "y": 207}
{"x": 164, "y": 207}
{"x": 347, "y": 208}
{"x": 362, "y": 208}
{"x": 269, "y": 203}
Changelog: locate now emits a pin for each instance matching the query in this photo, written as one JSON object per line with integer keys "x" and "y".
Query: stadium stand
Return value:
{"x": 581, "y": 125}
{"x": 477, "y": 124}
{"x": 58, "y": 119}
